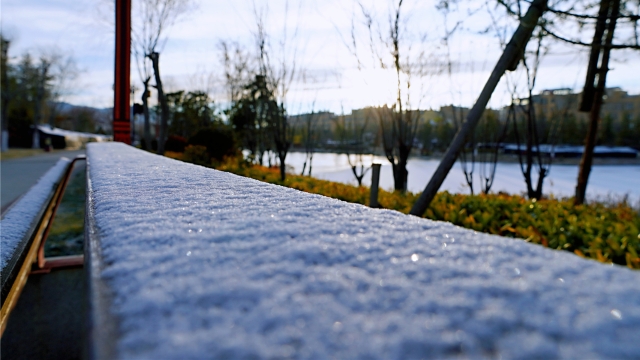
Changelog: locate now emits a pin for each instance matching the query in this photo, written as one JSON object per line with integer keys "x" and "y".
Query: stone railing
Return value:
{"x": 189, "y": 262}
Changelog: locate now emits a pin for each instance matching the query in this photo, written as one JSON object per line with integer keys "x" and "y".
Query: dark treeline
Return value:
{"x": 32, "y": 89}
{"x": 193, "y": 119}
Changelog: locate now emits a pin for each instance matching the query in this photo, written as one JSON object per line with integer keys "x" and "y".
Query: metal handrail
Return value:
{"x": 44, "y": 265}
{"x": 33, "y": 260}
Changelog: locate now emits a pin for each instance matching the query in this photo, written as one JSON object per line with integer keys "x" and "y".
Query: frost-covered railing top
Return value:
{"x": 21, "y": 218}
{"x": 189, "y": 262}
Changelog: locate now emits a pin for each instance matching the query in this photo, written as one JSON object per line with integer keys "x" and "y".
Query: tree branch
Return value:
{"x": 591, "y": 17}
{"x": 580, "y": 43}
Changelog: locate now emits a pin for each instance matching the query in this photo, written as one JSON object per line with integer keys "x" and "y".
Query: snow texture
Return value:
{"x": 22, "y": 214}
{"x": 206, "y": 264}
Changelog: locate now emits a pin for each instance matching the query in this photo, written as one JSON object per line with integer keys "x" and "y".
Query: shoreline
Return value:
{"x": 506, "y": 158}
{"x": 510, "y": 159}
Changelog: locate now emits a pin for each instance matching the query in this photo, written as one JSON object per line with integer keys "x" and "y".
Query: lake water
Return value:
{"x": 605, "y": 181}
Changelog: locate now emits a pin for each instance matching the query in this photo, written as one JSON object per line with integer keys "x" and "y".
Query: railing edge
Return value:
{"x": 100, "y": 324}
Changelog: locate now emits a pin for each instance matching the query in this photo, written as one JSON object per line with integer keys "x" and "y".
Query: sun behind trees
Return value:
{"x": 257, "y": 84}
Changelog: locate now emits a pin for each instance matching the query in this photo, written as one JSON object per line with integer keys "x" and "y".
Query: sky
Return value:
{"x": 318, "y": 37}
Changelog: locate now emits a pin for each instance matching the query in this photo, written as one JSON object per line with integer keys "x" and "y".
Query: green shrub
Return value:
{"x": 219, "y": 141}
{"x": 175, "y": 143}
{"x": 154, "y": 144}
{"x": 196, "y": 154}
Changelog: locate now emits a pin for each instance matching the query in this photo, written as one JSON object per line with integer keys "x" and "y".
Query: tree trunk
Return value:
{"x": 529, "y": 151}
{"x": 509, "y": 60}
{"x": 145, "y": 110}
{"x": 359, "y": 177}
{"x": 37, "y": 115}
{"x": 398, "y": 163}
{"x": 282, "y": 155}
{"x": 538, "y": 193}
{"x": 400, "y": 172}
{"x": 588, "y": 93}
{"x": 594, "y": 116}
{"x": 164, "y": 107}
{"x": 4, "y": 95}
{"x": 400, "y": 175}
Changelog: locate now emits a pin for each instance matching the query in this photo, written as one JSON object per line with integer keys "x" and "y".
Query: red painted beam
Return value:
{"x": 122, "y": 85}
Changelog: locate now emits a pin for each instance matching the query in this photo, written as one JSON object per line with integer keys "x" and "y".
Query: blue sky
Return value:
{"x": 190, "y": 57}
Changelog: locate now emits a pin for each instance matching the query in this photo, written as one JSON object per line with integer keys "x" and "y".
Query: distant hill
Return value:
{"x": 82, "y": 118}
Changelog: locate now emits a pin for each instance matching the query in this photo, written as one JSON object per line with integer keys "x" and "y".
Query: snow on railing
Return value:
{"x": 22, "y": 216}
{"x": 190, "y": 262}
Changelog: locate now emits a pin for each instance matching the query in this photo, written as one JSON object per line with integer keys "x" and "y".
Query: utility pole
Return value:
{"x": 122, "y": 81}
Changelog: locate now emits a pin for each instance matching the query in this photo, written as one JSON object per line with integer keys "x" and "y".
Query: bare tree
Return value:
{"x": 352, "y": 139}
{"x": 54, "y": 75}
{"x": 277, "y": 67}
{"x": 238, "y": 68}
{"x": 467, "y": 153}
{"x": 398, "y": 122}
{"x": 532, "y": 153}
{"x": 244, "y": 93}
{"x": 576, "y": 16}
{"x": 145, "y": 113}
{"x": 64, "y": 73}
{"x": 593, "y": 93}
{"x": 480, "y": 154}
{"x": 144, "y": 73}
{"x": 44, "y": 78}
{"x": 162, "y": 99}
{"x": 309, "y": 138}
{"x": 457, "y": 112}
{"x": 492, "y": 137}
{"x": 151, "y": 21}
{"x": 4, "y": 94}
{"x": 532, "y": 131}
{"x": 508, "y": 61}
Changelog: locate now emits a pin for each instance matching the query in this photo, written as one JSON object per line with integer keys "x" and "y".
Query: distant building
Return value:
{"x": 560, "y": 122}
{"x": 361, "y": 128}
{"x": 619, "y": 104}
{"x": 322, "y": 123}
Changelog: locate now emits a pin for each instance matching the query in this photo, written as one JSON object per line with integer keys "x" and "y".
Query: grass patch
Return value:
{"x": 67, "y": 232}
{"x": 607, "y": 232}
{"x": 19, "y": 153}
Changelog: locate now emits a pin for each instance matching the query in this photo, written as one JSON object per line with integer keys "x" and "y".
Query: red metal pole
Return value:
{"x": 122, "y": 85}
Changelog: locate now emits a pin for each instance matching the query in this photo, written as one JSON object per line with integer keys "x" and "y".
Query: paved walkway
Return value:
{"x": 18, "y": 175}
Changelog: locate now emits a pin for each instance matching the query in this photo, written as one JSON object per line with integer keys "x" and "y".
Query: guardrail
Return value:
{"x": 189, "y": 262}
{"x": 25, "y": 228}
